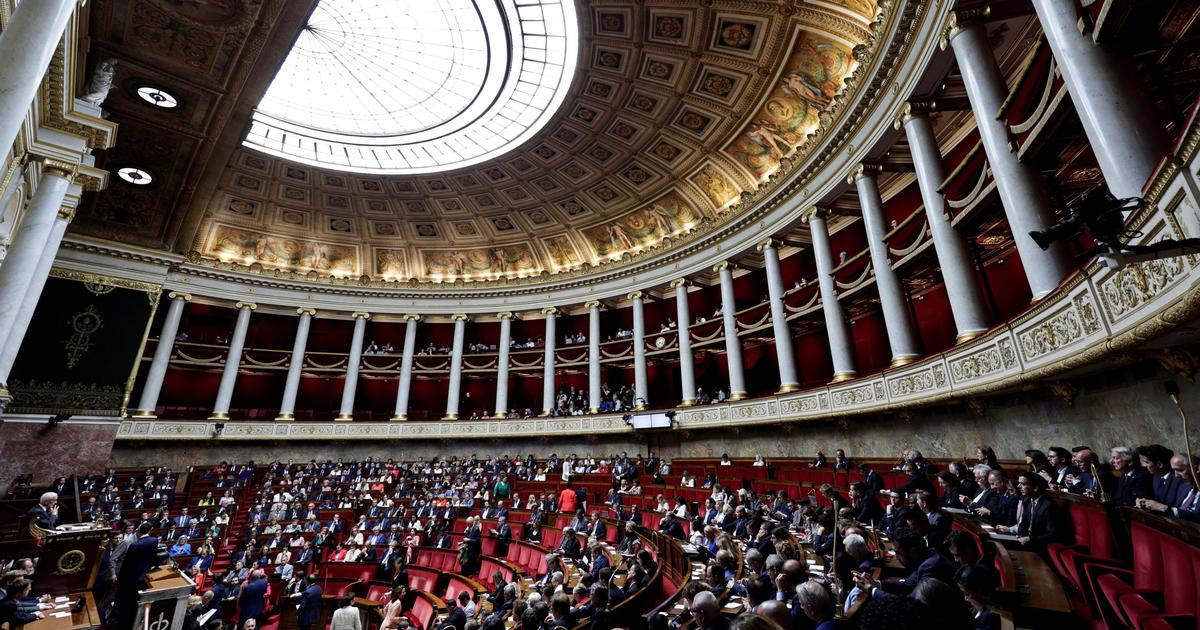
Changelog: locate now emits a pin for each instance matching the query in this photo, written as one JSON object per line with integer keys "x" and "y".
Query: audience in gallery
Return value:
{"x": 289, "y": 533}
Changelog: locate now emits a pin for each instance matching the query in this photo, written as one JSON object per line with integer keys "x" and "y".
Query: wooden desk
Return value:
{"x": 82, "y": 620}
{"x": 1043, "y": 590}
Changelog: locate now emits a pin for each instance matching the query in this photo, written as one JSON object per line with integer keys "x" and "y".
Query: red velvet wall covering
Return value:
{"x": 813, "y": 359}
{"x": 934, "y": 320}
{"x": 329, "y": 335}
{"x": 870, "y": 342}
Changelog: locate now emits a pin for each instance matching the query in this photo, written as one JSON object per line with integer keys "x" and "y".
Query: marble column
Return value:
{"x": 406, "y": 366}
{"x": 785, "y": 352}
{"x": 1026, "y": 202}
{"x": 1121, "y": 125}
{"x": 902, "y": 338}
{"x": 353, "y": 363}
{"x": 456, "y": 360}
{"x": 233, "y": 360}
{"x": 11, "y": 344}
{"x": 502, "y": 365}
{"x": 687, "y": 361}
{"x": 841, "y": 344}
{"x": 548, "y": 392}
{"x": 957, "y": 267}
{"x": 30, "y": 243}
{"x": 148, "y": 403}
{"x": 593, "y": 308}
{"x": 26, "y": 45}
{"x": 733, "y": 346}
{"x": 287, "y": 408}
{"x": 640, "y": 396}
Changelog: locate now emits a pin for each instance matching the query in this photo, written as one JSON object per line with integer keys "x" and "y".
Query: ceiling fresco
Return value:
{"x": 675, "y": 111}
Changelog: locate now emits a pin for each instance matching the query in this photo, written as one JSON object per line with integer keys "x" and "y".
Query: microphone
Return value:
{"x": 1172, "y": 390}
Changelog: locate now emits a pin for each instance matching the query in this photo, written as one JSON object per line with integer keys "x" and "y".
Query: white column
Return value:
{"x": 785, "y": 353}
{"x": 291, "y": 388}
{"x": 687, "y": 361}
{"x": 1026, "y": 204}
{"x": 30, "y": 241}
{"x": 26, "y": 46}
{"x": 902, "y": 338}
{"x": 593, "y": 355}
{"x": 548, "y": 361}
{"x": 1121, "y": 125}
{"x": 148, "y": 403}
{"x": 841, "y": 345}
{"x": 640, "y": 396}
{"x": 456, "y": 359}
{"x": 406, "y": 366}
{"x": 502, "y": 365}
{"x": 233, "y": 360}
{"x": 353, "y": 362}
{"x": 733, "y": 346}
{"x": 957, "y": 268}
{"x": 24, "y": 315}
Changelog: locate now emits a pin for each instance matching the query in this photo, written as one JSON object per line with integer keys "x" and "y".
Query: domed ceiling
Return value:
{"x": 674, "y": 111}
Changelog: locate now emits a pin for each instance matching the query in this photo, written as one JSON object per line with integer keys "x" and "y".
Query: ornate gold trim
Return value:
{"x": 179, "y": 295}
{"x": 285, "y": 417}
{"x": 550, "y": 310}
{"x": 413, "y": 317}
{"x": 61, "y": 168}
{"x": 687, "y": 402}
{"x": 736, "y": 396}
{"x": 960, "y": 20}
{"x": 500, "y": 415}
{"x": 862, "y": 171}
{"x": 360, "y": 315}
{"x": 593, "y": 304}
{"x": 218, "y": 415}
{"x": 450, "y": 416}
{"x": 788, "y": 388}
{"x": 903, "y": 361}
{"x": 460, "y": 317}
{"x": 250, "y": 305}
{"x": 842, "y": 377}
{"x": 144, "y": 414}
{"x": 311, "y": 312}
{"x": 399, "y": 418}
{"x": 680, "y": 282}
{"x": 767, "y": 243}
{"x": 504, "y": 315}
{"x": 967, "y": 336}
{"x": 155, "y": 298}
{"x": 636, "y": 296}
{"x": 94, "y": 278}
{"x": 344, "y": 417}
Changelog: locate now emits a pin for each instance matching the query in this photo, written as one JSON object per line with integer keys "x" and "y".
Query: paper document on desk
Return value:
{"x": 954, "y": 510}
{"x": 59, "y": 600}
{"x": 1005, "y": 537}
{"x": 60, "y": 615}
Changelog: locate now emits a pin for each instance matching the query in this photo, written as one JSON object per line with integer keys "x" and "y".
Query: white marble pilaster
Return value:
{"x": 456, "y": 359}
{"x": 687, "y": 360}
{"x": 353, "y": 363}
{"x": 841, "y": 344}
{"x": 785, "y": 353}
{"x": 406, "y": 367}
{"x": 233, "y": 360}
{"x": 148, "y": 403}
{"x": 593, "y": 355}
{"x": 291, "y": 387}
{"x": 502, "y": 365}
{"x": 640, "y": 386}
{"x": 733, "y": 346}
{"x": 548, "y": 388}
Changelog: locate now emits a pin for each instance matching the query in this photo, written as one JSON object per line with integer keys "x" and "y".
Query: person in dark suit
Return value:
{"x": 897, "y": 509}
{"x": 995, "y": 504}
{"x": 141, "y": 556}
{"x": 1188, "y": 507}
{"x": 309, "y": 610}
{"x": 818, "y": 604}
{"x": 1041, "y": 519}
{"x": 599, "y": 559}
{"x": 570, "y": 546}
{"x": 1133, "y": 481}
{"x": 455, "y": 615}
{"x": 10, "y": 606}
{"x": 914, "y": 554}
{"x": 1168, "y": 488}
{"x": 503, "y": 533}
{"x": 596, "y": 528}
{"x": 252, "y": 601}
{"x": 671, "y": 527}
{"x": 45, "y": 513}
{"x": 1060, "y": 467}
{"x": 870, "y": 478}
{"x": 473, "y": 539}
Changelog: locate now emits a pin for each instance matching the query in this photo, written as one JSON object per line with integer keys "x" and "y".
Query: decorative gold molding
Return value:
{"x": 962, "y": 19}
{"x": 913, "y": 109}
{"x": 842, "y": 377}
{"x": 550, "y": 310}
{"x": 180, "y": 295}
{"x": 61, "y": 168}
{"x": 311, "y": 312}
{"x": 250, "y": 305}
{"x": 767, "y": 243}
{"x": 344, "y": 417}
{"x": 360, "y": 315}
{"x": 504, "y": 315}
{"x": 903, "y": 361}
{"x": 680, "y": 282}
{"x": 816, "y": 212}
{"x": 95, "y": 278}
{"x": 412, "y": 317}
{"x": 285, "y": 417}
{"x": 219, "y": 415}
{"x": 460, "y": 317}
{"x": 862, "y": 171}
{"x": 636, "y": 296}
{"x": 593, "y": 304}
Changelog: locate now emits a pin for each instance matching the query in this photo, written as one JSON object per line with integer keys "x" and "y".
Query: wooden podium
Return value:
{"x": 69, "y": 558}
{"x": 164, "y": 602}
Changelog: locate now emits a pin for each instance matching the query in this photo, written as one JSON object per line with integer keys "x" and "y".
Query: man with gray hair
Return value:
{"x": 1133, "y": 482}
{"x": 707, "y": 612}
{"x": 817, "y": 604}
{"x": 45, "y": 513}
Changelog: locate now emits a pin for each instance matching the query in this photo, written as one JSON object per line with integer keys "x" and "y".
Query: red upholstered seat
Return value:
{"x": 1162, "y": 580}
{"x": 378, "y": 592}
{"x": 424, "y": 612}
{"x": 422, "y": 579}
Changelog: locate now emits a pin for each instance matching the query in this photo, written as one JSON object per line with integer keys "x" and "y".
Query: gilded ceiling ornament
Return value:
{"x": 85, "y": 323}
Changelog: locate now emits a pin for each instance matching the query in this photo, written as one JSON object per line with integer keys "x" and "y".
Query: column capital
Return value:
{"x": 311, "y": 312}
{"x": 767, "y": 243}
{"x": 593, "y": 305}
{"x": 66, "y": 213}
{"x": 815, "y": 212}
{"x": 360, "y": 315}
{"x": 723, "y": 265}
{"x": 680, "y": 282}
{"x": 61, "y": 168}
{"x": 550, "y": 310}
{"x": 962, "y": 19}
{"x": 460, "y": 317}
{"x": 180, "y": 295}
{"x": 636, "y": 296}
{"x": 913, "y": 109}
{"x": 250, "y": 305}
{"x": 504, "y": 315}
{"x": 412, "y": 317}
{"x": 862, "y": 171}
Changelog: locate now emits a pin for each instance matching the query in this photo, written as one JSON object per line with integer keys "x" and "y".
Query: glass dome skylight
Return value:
{"x": 417, "y": 86}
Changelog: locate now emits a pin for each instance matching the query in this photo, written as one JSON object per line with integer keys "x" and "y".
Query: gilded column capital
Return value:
{"x": 636, "y": 296}
{"x": 504, "y": 315}
{"x": 862, "y": 171}
{"x": 412, "y": 317}
{"x": 913, "y": 109}
{"x": 550, "y": 310}
{"x": 180, "y": 295}
{"x": 66, "y": 213}
{"x": 815, "y": 212}
{"x": 460, "y": 317}
{"x": 723, "y": 265}
{"x": 680, "y": 282}
{"x": 250, "y": 305}
{"x": 962, "y": 19}
{"x": 360, "y": 315}
{"x": 62, "y": 168}
{"x": 311, "y": 312}
{"x": 767, "y": 243}
{"x": 593, "y": 305}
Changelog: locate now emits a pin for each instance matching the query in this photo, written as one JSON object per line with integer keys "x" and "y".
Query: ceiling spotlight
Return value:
{"x": 135, "y": 176}
{"x": 158, "y": 97}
